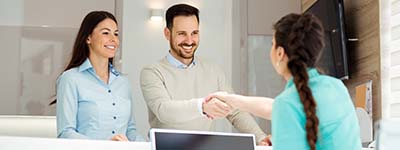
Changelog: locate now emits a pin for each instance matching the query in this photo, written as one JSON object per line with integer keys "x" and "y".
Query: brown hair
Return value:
{"x": 80, "y": 51}
{"x": 301, "y": 36}
{"x": 180, "y": 10}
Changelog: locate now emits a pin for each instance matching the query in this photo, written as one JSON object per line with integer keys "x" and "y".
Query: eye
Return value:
{"x": 181, "y": 33}
{"x": 116, "y": 34}
{"x": 195, "y": 33}
{"x": 105, "y": 33}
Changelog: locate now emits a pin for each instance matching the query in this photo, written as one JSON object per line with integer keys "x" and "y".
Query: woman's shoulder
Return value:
{"x": 288, "y": 95}
{"x": 327, "y": 81}
{"x": 124, "y": 78}
{"x": 70, "y": 73}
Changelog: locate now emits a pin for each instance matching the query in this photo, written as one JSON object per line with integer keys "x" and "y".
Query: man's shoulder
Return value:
{"x": 206, "y": 63}
{"x": 160, "y": 63}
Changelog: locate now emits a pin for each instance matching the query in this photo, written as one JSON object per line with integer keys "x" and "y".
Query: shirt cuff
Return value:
{"x": 200, "y": 102}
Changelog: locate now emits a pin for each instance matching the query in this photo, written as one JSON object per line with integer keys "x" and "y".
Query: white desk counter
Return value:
{"x": 28, "y": 143}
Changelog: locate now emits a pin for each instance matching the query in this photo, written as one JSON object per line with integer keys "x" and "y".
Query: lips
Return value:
{"x": 112, "y": 47}
{"x": 187, "y": 47}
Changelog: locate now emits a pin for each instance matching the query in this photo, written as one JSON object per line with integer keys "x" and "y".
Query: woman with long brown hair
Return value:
{"x": 93, "y": 99}
{"x": 314, "y": 111}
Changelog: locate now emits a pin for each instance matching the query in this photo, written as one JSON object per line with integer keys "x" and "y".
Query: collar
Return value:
{"x": 87, "y": 65}
{"x": 312, "y": 72}
{"x": 176, "y": 63}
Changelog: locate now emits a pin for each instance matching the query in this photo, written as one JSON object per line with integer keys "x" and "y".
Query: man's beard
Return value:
{"x": 181, "y": 53}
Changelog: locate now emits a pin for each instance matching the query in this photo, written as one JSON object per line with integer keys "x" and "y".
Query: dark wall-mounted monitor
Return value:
{"x": 333, "y": 61}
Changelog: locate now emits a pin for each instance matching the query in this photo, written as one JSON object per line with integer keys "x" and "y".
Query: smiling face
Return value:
{"x": 103, "y": 41}
{"x": 183, "y": 38}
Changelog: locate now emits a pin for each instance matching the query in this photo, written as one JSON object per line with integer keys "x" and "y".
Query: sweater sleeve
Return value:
{"x": 158, "y": 100}
{"x": 242, "y": 121}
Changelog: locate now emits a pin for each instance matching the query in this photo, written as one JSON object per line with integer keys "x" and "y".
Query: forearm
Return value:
{"x": 245, "y": 123}
{"x": 161, "y": 104}
{"x": 175, "y": 111}
{"x": 131, "y": 131}
{"x": 70, "y": 133}
{"x": 259, "y": 106}
{"x": 133, "y": 135}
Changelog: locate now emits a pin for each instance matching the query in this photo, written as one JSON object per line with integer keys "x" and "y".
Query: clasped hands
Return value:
{"x": 217, "y": 106}
{"x": 221, "y": 104}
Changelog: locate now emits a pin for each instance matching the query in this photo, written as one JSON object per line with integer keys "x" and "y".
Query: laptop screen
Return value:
{"x": 165, "y": 139}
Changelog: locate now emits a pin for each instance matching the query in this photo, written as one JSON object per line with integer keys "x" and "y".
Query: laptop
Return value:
{"x": 168, "y": 139}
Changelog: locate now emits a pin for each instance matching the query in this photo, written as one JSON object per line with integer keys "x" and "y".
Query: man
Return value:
{"x": 175, "y": 88}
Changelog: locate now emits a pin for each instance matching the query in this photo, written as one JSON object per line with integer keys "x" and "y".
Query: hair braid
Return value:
{"x": 302, "y": 38}
{"x": 300, "y": 78}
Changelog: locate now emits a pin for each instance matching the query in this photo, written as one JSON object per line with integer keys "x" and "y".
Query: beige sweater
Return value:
{"x": 171, "y": 95}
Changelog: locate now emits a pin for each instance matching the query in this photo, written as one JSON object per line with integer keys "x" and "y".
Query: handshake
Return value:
{"x": 219, "y": 105}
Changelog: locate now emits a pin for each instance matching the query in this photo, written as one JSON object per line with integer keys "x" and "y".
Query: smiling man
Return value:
{"x": 176, "y": 87}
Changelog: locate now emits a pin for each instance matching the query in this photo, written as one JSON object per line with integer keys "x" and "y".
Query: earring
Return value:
{"x": 278, "y": 63}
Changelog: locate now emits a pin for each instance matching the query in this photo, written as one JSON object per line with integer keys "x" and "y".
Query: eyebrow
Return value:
{"x": 185, "y": 31}
{"x": 108, "y": 29}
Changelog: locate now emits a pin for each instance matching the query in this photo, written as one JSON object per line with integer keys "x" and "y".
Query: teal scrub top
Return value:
{"x": 338, "y": 124}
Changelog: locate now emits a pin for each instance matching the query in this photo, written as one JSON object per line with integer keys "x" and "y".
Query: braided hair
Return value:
{"x": 301, "y": 36}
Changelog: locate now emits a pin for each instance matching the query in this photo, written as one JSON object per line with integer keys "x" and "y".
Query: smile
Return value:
{"x": 187, "y": 47}
{"x": 110, "y": 47}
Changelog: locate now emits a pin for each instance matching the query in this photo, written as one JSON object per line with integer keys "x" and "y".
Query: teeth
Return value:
{"x": 110, "y": 46}
{"x": 187, "y": 47}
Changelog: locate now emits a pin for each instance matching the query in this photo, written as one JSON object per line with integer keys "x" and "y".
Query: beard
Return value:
{"x": 180, "y": 52}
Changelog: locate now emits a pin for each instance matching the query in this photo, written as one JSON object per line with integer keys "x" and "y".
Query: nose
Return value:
{"x": 113, "y": 38}
{"x": 189, "y": 39}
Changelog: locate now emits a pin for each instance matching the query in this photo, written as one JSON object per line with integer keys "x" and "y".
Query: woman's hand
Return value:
{"x": 231, "y": 99}
{"x": 266, "y": 141}
{"x": 119, "y": 137}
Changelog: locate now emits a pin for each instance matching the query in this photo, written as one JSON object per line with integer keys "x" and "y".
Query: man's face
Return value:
{"x": 184, "y": 37}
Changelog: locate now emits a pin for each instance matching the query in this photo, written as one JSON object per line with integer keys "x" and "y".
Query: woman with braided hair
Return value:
{"x": 314, "y": 111}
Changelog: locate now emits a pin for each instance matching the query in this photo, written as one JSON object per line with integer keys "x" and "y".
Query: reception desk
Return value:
{"x": 28, "y": 143}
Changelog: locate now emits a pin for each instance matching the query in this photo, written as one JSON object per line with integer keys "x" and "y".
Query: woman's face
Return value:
{"x": 103, "y": 41}
{"x": 273, "y": 54}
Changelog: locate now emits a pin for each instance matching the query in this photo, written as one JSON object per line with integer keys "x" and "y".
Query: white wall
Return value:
{"x": 390, "y": 58}
{"x": 143, "y": 42}
{"x": 263, "y": 13}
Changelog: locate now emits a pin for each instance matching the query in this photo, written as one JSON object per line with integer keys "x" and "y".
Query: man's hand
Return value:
{"x": 214, "y": 108}
{"x": 119, "y": 137}
{"x": 230, "y": 99}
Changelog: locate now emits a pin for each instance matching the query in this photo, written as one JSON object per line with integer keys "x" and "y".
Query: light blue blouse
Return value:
{"x": 338, "y": 124}
{"x": 87, "y": 108}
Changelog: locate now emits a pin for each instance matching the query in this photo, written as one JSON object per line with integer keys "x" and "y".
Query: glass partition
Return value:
{"x": 37, "y": 38}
